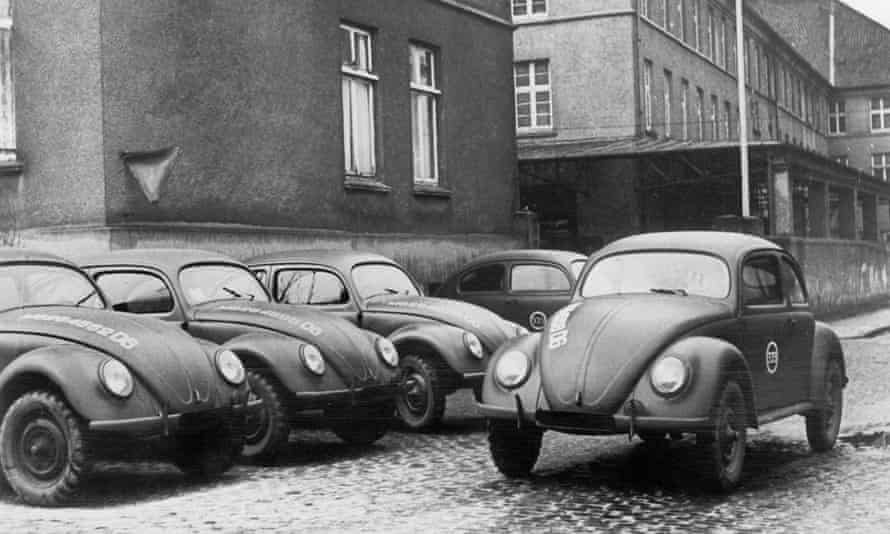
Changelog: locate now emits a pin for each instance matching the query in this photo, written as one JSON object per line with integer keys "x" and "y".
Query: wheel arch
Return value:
{"x": 826, "y": 347}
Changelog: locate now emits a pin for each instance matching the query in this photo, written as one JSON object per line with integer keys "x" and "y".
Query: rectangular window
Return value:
{"x": 721, "y": 42}
{"x": 880, "y": 113}
{"x": 358, "y": 81}
{"x": 696, "y": 25}
{"x": 684, "y": 108}
{"x": 533, "y": 104}
{"x": 727, "y": 120}
{"x": 755, "y": 67}
{"x": 526, "y": 8}
{"x": 7, "y": 102}
{"x": 843, "y": 160}
{"x": 700, "y": 113}
{"x": 712, "y": 38}
{"x": 668, "y": 97}
{"x": 647, "y": 95}
{"x": 666, "y": 7}
{"x": 644, "y": 7}
{"x": 880, "y": 165}
{"x": 715, "y": 110}
{"x": 425, "y": 96}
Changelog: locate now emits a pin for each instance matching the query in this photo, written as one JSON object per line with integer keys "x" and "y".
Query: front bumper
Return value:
{"x": 365, "y": 396}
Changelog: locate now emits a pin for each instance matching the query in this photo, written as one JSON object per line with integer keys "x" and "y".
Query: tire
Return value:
{"x": 207, "y": 455}
{"x": 43, "y": 449}
{"x": 723, "y": 448}
{"x": 823, "y": 426}
{"x": 513, "y": 450}
{"x": 267, "y": 432}
{"x": 364, "y": 427}
{"x": 420, "y": 402}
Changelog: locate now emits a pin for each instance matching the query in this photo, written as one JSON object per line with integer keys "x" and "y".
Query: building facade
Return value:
{"x": 246, "y": 127}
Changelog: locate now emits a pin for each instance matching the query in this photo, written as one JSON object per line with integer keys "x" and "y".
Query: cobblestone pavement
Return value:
{"x": 446, "y": 483}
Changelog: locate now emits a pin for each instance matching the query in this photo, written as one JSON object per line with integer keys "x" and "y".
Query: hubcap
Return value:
{"x": 257, "y": 422}
{"x": 42, "y": 449}
{"x": 415, "y": 392}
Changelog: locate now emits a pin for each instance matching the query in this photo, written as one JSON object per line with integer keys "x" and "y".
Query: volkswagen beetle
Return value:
{"x": 445, "y": 343}
{"x": 298, "y": 360}
{"x": 706, "y": 333}
{"x": 77, "y": 380}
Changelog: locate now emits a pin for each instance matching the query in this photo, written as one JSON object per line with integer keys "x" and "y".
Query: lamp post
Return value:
{"x": 743, "y": 106}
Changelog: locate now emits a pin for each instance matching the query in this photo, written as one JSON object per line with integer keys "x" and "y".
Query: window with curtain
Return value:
{"x": 425, "y": 96}
{"x": 358, "y": 83}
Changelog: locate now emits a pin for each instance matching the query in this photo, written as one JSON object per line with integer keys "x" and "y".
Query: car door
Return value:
{"x": 484, "y": 285}
{"x": 318, "y": 287}
{"x": 764, "y": 333}
{"x": 801, "y": 327}
{"x": 535, "y": 290}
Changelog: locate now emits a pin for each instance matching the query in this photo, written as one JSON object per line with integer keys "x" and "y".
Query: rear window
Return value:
{"x": 534, "y": 277}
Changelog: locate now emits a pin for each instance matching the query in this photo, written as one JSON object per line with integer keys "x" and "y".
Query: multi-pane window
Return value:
{"x": 425, "y": 96}
{"x": 644, "y": 8}
{"x": 880, "y": 113}
{"x": 880, "y": 165}
{"x": 696, "y": 25}
{"x": 715, "y": 129}
{"x": 712, "y": 37}
{"x": 533, "y": 105}
{"x": 7, "y": 110}
{"x": 525, "y": 8}
{"x": 647, "y": 94}
{"x": 668, "y": 97}
{"x": 721, "y": 42}
{"x": 700, "y": 113}
{"x": 727, "y": 120}
{"x": 358, "y": 81}
{"x": 684, "y": 108}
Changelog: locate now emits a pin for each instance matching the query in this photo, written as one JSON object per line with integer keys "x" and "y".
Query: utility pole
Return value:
{"x": 743, "y": 106}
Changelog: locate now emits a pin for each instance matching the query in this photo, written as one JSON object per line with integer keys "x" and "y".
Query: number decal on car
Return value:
{"x": 772, "y": 357}
{"x": 559, "y": 334}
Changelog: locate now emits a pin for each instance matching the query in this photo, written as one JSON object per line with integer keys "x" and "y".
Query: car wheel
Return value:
{"x": 267, "y": 429}
{"x": 421, "y": 400}
{"x": 364, "y": 427}
{"x": 208, "y": 454}
{"x": 724, "y": 450}
{"x": 824, "y": 425}
{"x": 43, "y": 449}
{"x": 514, "y": 450}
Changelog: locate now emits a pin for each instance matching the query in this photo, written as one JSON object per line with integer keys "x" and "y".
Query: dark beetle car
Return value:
{"x": 297, "y": 359}
{"x": 524, "y": 286}
{"x": 700, "y": 332}
{"x": 77, "y": 381}
{"x": 445, "y": 343}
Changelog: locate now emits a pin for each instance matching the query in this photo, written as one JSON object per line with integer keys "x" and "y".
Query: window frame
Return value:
{"x": 508, "y": 280}
{"x": 837, "y": 117}
{"x": 786, "y": 265}
{"x": 532, "y": 89}
{"x": 529, "y": 11}
{"x": 882, "y": 113}
{"x": 884, "y": 166}
{"x": 783, "y": 301}
{"x": 647, "y": 94}
{"x": 98, "y": 272}
{"x": 434, "y": 93}
{"x": 361, "y": 76}
{"x": 503, "y": 284}
{"x": 315, "y": 269}
{"x": 668, "y": 81}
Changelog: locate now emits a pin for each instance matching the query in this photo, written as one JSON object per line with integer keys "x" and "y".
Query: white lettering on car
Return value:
{"x": 302, "y": 324}
{"x": 559, "y": 334}
{"x": 436, "y": 309}
{"x": 121, "y": 338}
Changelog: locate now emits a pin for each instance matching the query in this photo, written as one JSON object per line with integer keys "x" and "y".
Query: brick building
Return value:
{"x": 251, "y": 126}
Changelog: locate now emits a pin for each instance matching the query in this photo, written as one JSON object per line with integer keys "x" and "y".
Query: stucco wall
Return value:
{"x": 859, "y": 143}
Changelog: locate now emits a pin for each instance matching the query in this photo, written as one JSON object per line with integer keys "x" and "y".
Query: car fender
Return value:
{"x": 279, "y": 355}
{"x": 498, "y": 402}
{"x": 73, "y": 371}
{"x": 445, "y": 341}
{"x": 711, "y": 362}
{"x": 826, "y": 345}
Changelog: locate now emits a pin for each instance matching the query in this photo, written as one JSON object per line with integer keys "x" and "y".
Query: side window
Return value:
{"x": 761, "y": 284}
{"x": 307, "y": 286}
{"x": 535, "y": 277}
{"x": 485, "y": 278}
{"x": 136, "y": 292}
{"x": 793, "y": 284}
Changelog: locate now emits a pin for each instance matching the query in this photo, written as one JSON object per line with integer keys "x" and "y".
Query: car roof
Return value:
{"x": 10, "y": 254}
{"x": 530, "y": 254}
{"x": 165, "y": 259}
{"x": 729, "y": 245}
{"x": 342, "y": 260}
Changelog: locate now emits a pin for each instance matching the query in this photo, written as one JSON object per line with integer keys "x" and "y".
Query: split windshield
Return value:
{"x": 203, "y": 283}
{"x": 680, "y": 273}
{"x": 379, "y": 279}
{"x": 46, "y": 285}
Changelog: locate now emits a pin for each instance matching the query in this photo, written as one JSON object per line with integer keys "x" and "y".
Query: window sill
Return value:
{"x": 429, "y": 190}
{"x": 364, "y": 183}
{"x": 549, "y": 132}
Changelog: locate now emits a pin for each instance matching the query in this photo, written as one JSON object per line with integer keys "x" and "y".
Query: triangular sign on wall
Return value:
{"x": 151, "y": 169}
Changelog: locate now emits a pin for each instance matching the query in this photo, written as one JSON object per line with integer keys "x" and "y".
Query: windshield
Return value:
{"x": 376, "y": 279}
{"x": 658, "y": 272}
{"x": 203, "y": 283}
{"x": 577, "y": 267}
{"x": 46, "y": 285}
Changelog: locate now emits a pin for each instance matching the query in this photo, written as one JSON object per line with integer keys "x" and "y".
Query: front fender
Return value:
{"x": 445, "y": 340}
{"x": 826, "y": 345}
{"x": 280, "y": 355}
{"x": 711, "y": 362}
{"x": 519, "y": 403}
{"x": 74, "y": 371}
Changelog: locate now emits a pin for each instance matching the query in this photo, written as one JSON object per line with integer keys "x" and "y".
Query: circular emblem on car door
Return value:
{"x": 537, "y": 320}
{"x": 772, "y": 357}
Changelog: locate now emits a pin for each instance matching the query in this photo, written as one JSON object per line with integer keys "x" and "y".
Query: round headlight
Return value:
{"x": 387, "y": 352}
{"x": 116, "y": 378}
{"x": 229, "y": 366}
{"x": 669, "y": 375}
{"x": 474, "y": 345}
{"x": 512, "y": 369}
{"x": 312, "y": 359}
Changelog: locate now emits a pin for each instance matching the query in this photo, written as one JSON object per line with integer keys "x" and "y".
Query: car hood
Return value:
{"x": 345, "y": 347}
{"x": 593, "y": 352}
{"x": 491, "y": 329}
{"x": 164, "y": 358}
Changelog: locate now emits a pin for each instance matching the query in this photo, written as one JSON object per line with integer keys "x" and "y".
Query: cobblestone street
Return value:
{"x": 446, "y": 483}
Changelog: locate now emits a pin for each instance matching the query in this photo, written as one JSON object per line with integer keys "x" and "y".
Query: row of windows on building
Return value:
{"x": 879, "y": 114}
{"x": 359, "y": 82}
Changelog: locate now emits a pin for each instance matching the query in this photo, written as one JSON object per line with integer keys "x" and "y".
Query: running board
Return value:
{"x": 800, "y": 408}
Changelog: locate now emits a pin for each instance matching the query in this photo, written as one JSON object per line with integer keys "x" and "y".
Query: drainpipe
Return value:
{"x": 831, "y": 42}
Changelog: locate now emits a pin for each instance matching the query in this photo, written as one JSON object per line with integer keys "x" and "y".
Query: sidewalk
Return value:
{"x": 867, "y": 324}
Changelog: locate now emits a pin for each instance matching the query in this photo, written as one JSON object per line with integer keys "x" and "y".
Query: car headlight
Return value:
{"x": 387, "y": 351}
{"x": 669, "y": 375}
{"x": 474, "y": 345}
{"x": 512, "y": 369}
{"x": 230, "y": 367}
{"x": 312, "y": 359}
{"x": 116, "y": 378}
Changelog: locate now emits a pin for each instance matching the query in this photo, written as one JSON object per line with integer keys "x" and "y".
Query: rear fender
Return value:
{"x": 826, "y": 346}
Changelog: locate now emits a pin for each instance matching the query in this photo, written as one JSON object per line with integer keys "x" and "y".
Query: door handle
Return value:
{"x": 792, "y": 323}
